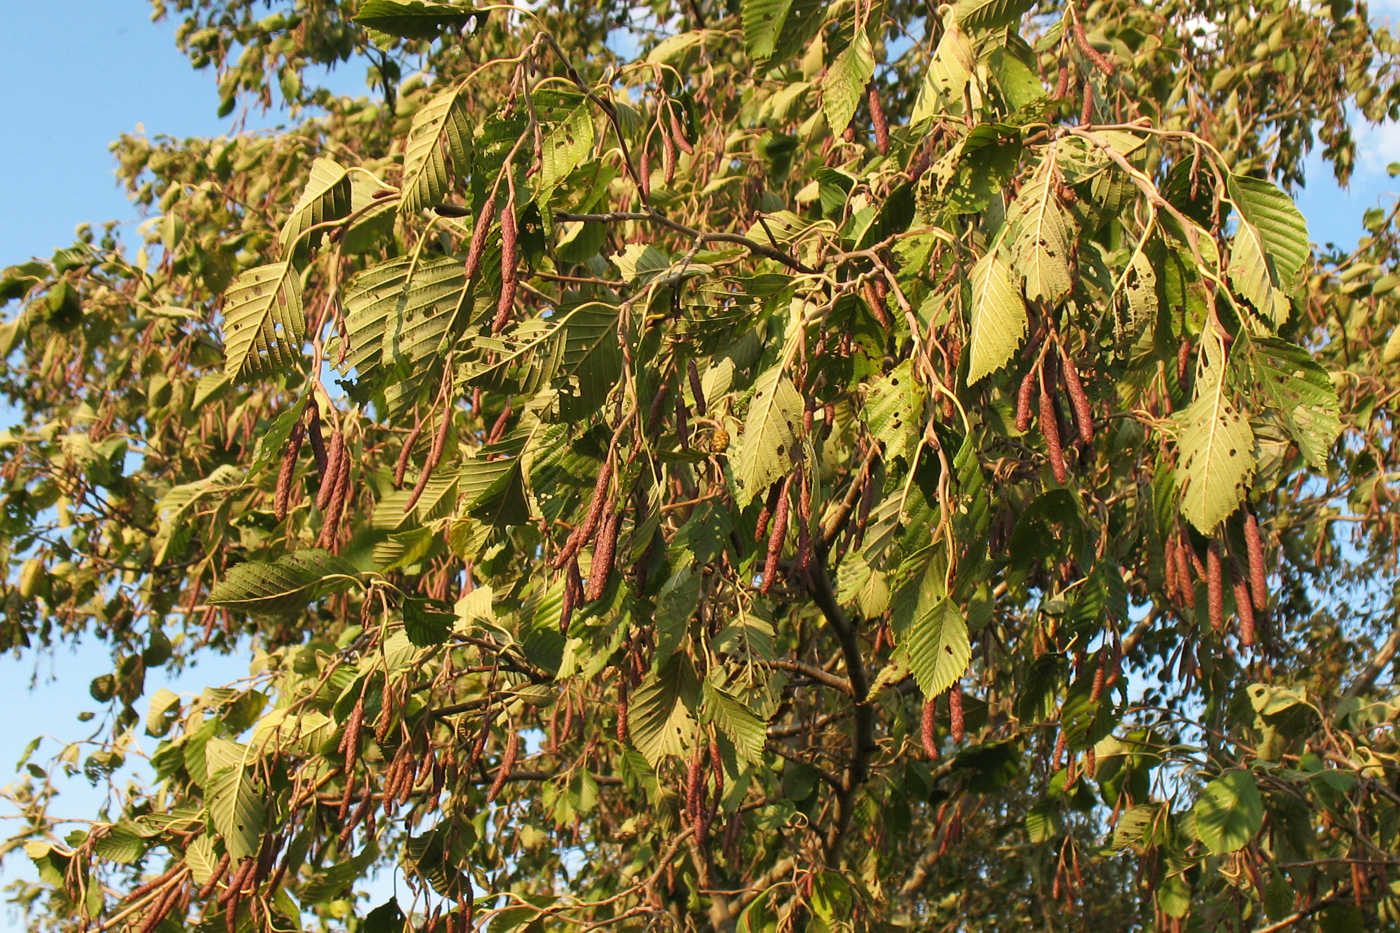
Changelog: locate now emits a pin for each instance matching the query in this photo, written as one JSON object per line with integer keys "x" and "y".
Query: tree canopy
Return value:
{"x": 749, "y": 465}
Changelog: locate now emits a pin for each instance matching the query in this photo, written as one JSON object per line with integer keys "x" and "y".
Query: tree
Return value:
{"x": 750, "y": 465}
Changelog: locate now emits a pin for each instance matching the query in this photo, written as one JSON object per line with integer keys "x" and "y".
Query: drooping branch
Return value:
{"x": 656, "y": 217}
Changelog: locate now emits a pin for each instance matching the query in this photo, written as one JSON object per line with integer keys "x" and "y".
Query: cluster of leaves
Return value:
{"x": 848, "y": 466}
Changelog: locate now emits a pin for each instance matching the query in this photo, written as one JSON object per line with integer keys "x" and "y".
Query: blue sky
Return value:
{"x": 72, "y": 84}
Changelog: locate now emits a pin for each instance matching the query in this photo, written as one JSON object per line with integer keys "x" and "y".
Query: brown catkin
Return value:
{"x": 572, "y": 593}
{"x": 668, "y": 158}
{"x": 163, "y": 904}
{"x": 1183, "y": 556}
{"x": 507, "y": 765}
{"x": 682, "y": 422}
{"x": 694, "y": 793}
{"x": 583, "y": 533}
{"x": 434, "y": 457}
{"x": 928, "y": 719}
{"x": 1062, "y": 81}
{"x": 1023, "y": 400}
{"x": 479, "y": 232}
{"x": 765, "y": 514}
{"x": 678, "y": 132}
{"x": 1183, "y": 361}
{"x": 498, "y": 427}
{"x": 1243, "y": 605}
{"x": 1091, "y": 53}
{"x": 283, "y": 496}
{"x": 877, "y": 118}
{"x": 1050, "y": 430}
{"x": 401, "y": 465}
{"x": 697, "y": 388}
{"x": 509, "y": 257}
{"x": 1086, "y": 104}
{"x": 208, "y": 887}
{"x": 239, "y": 879}
{"x": 1215, "y": 586}
{"x": 314, "y": 436}
{"x": 644, "y": 171}
{"x": 1254, "y": 546}
{"x": 876, "y": 303}
{"x": 335, "y": 509}
{"x": 622, "y": 709}
{"x": 1083, "y": 414}
{"x": 331, "y": 473}
{"x": 603, "y": 556}
{"x": 956, "y": 725}
{"x": 776, "y": 535}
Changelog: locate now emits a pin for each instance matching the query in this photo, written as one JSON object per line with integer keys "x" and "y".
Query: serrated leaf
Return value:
{"x": 659, "y": 723}
{"x": 1140, "y": 826}
{"x": 741, "y": 725}
{"x": 567, "y": 144}
{"x": 237, "y": 810}
{"x": 894, "y": 411}
{"x": 158, "y": 717}
{"x": 121, "y": 843}
{"x": 1269, "y": 247}
{"x": 412, "y": 19}
{"x": 948, "y": 74}
{"x": 1229, "y": 812}
{"x": 931, "y": 634}
{"x": 283, "y": 585}
{"x": 770, "y": 431}
{"x": 776, "y": 29}
{"x": 998, "y": 317}
{"x": 174, "y": 508}
{"x": 264, "y": 323}
{"x": 986, "y": 15}
{"x": 1301, "y": 394}
{"x": 201, "y": 858}
{"x": 843, "y": 87}
{"x": 441, "y": 130}
{"x": 1043, "y": 236}
{"x": 326, "y": 198}
{"x": 1216, "y": 452}
{"x": 400, "y": 310}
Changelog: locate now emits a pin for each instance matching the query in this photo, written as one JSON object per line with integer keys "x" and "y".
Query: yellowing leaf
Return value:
{"x": 1216, "y": 448}
{"x": 845, "y": 81}
{"x": 998, "y": 317}
{"x": 770, "y": 430}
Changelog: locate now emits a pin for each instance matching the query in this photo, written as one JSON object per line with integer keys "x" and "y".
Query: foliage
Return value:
{"x": 749, "y": 466}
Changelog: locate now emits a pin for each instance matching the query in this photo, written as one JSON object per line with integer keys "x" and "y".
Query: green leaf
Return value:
{"x": 894, "y": 410}
{"x": 1216, "y": 451}
{"x": 931, "y": 635}
{"x": 986, "y": 15}
{"x": 201, "y": 858}
{"x": 425, "y": 622}
{"x": 741, "y": 725}
{"x": 569, "y": 140}
{"x": 237, "y": 810}
{"x": 326, "y": 198}
{"x": 415, "y": 19}
{"x": 121, "y": 843}
{"x": 1270, "y": 245}
{"x": 1301, "y": 394}
{"x": 400, "y": 311}
{"x": 439, "y": 130}
{"x": 264, "y": 323}
{"x": 1229, "y": 812}
{"x": 998, "y": 317}
{"x": 1043, "y": 236}
{"x": 284, "y": 585}
{"x": 947, "y": 76}
{"x": 770, "y": 431}
{"x": 659, "y": 721}
{"x": 778, "y": 29}
{"x": 843, "y": 87}
{"x": 165, "y": 704}
{"x": 175, "y": 508}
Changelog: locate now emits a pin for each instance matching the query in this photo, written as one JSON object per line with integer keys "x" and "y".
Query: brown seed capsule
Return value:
{"x": 1023, "y": 400}
{"x": 313, "y": 434}
{"x": 1215, "y": 586}
{"x": 282, "y": 497}
{"x": 697, "y": 388}
{"x": 657, "y": 406}
{"x": 877, "y": 119}
{"x": 239, "y": 879}
{"x": 1050, "y": 430}
{"x": 332, "y": 471}
{"x": 1083, "y": 414}
{"x": 603, "y": 555}
{"x": 478, "y": 242}
{"x": 507, "y": 765}
{"x": 335, "y": 508}
{"x": 956, "y": 723}
{"x": 776, "y": 536}
{"x": 1254, "y": 545}
{"x": 927, "y": 732}
{"x": 350, "y": 740}
{"x": 719, "y": 440}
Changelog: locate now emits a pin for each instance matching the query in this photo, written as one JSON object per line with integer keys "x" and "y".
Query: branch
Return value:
{"x": 863, "y": 741}
{"x": 656, "y": 217}
{"x": 811, "y": 672}
{"x": 1375, "y": 667}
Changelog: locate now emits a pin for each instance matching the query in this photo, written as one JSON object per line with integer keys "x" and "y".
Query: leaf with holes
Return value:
{"x": 998, "y": 317}
{"x": 1041, "y": 249}
{"x": 326, "y": 199}
{"x": 843, "y": 87}
{"x": 237, "y": 810}
{"x": 770, "y": 430}
{"x": 659, "y": 722}
{"x": 414, "y": 19}
{"x": 439, "y": 140}
{"x": 1269, "y": 248}
{"x": 1216, "y": 451}
{"x": 1300, "y": 393}
{"x": 264, "y": 322}
{"x": 284, "y": 585}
